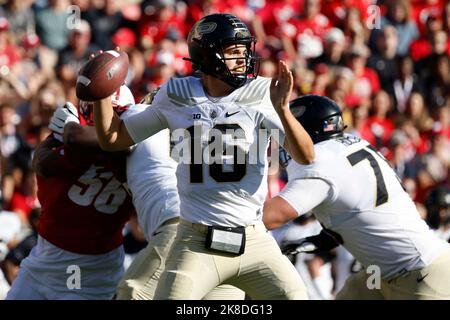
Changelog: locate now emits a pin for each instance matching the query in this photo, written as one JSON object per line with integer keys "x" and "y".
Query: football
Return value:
{"x": 102, "y": 75}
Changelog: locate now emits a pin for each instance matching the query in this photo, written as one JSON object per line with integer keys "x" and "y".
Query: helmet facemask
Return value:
{"x": 222, "y": 71}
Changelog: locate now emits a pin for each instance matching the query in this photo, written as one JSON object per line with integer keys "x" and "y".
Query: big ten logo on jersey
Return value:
{"x": 348, "y": 140}
{"x": 99, "y": 188}
{"x": 226, "y": 148}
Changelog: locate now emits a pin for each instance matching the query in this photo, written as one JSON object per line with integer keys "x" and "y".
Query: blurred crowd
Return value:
{"x": 386, "y": 63}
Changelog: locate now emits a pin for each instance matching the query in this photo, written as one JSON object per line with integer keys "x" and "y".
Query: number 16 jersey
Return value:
{"x": 221, "y": 146}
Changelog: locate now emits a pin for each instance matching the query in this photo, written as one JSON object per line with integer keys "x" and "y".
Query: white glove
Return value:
{"x": 63, "y": 115}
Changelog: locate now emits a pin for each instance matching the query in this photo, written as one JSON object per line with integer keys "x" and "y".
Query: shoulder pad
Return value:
{"x": 253, "y": 92}
{"x": 148, "y": 99}
{"x": 179, "y": 92}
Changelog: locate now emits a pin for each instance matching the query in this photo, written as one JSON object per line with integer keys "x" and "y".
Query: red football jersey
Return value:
{"x": 85, "y": 209}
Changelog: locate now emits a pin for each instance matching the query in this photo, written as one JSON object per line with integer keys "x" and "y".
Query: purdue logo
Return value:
{"x": 204, "y": 28}
{"x": 298, "y": 111}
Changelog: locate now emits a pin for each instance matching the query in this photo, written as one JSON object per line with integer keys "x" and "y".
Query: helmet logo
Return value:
{"x": 243, "y": 34}
{"x": 204, "y": 28}
{"x": 298, "y": 111}
{"x": 327, "y": 127}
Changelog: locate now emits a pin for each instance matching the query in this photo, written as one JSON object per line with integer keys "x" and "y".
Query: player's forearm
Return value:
{"x": 272, "y": 217}
{"x": 277, "y": 212}
{"x": 299, "y": 143}
{"x": 111, "y": 131}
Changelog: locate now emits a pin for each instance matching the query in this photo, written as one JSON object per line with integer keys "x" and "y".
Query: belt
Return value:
{"x": 203, "y": 228}
{"x": 166, "y": 223}
{"x": 171, "y": 221}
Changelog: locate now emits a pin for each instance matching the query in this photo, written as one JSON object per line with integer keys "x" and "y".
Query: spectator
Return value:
{"x": 439, "y": 87}
{"x": 9, "y": 55}
{"x": 336, "y": 10}
{"x": 51, "y": 24}
{"x": 125, "y": 39}
{"x": 353, "y": 27}
{"x": 421, "y": 47}
{"x": 399, "y": 155}
{"x": 43, "y": 105}
{"x": 406, "y": 83}
{"x": 14, "y": 248}
{"x": 379, "y": 126}
{"x": 14, "y": 151}
{"x": 435, "y": 166}
{"x": 268, "y": 68}
{"x": 303, "y": 34}
{"x": 441, "y": 124}
{"x": 271, "y": 17}
{"x": 418, "y": 113}
{"x": 20, "y": 16}
{"x": 24, "y": 199}
{"x": 158, "y": 21}
{"x": 75, "y": 55}
{"x": 366, "y": 81}
{"x": 334, "y": 47}
{"x": 399, "y": 16}
{"x": 104, "y": 20}
{"x": 383, "y": 60}
{"x": 446, "y": 20}
{"x": 344, "y": 80}
{"x": 427, "y": 66}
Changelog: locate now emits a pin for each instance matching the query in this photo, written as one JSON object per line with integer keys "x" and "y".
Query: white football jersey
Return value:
{"x": 151, "y": 179}
{"x": 367, "y": 206}
{"x": 235, "y": 129}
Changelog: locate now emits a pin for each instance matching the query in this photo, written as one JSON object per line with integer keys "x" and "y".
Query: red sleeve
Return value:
{"x": 18, "y": 202}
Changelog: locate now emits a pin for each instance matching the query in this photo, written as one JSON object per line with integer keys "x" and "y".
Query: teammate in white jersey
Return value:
{"x": 153, "y": 183}
{"x": 359, "y": 200}
{"x": 221, "y": 238}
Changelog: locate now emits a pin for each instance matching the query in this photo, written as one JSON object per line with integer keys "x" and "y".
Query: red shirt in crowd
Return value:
{"x": 375, "y": 127}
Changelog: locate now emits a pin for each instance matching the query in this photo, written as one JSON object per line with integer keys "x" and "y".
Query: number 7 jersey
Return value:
{"x": 220, "y": 144}
{"x": 367, "y": 207}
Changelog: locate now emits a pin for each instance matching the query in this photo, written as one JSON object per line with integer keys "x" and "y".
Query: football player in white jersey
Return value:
{"x": 359, "y": 200}
{"x": 221, "y": 238}
{"x": 152, "y": 181}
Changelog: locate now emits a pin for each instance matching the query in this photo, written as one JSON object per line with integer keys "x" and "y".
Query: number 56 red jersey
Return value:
{"x": 85, "y": 209}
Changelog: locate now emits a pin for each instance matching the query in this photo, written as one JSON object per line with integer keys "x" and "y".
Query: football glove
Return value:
{"x": 63, "y": 115}
{"x": 323, "y": 241}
